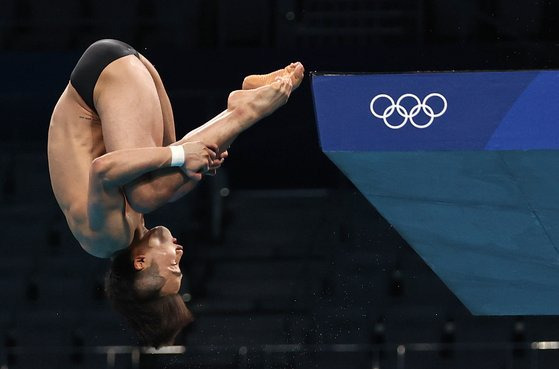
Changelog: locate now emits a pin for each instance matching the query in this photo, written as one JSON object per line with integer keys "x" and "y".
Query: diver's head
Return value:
{"x": 143, "y": 284}
{"x": 157, "y": 251}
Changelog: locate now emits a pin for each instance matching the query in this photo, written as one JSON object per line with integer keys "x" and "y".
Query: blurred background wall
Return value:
{"x": 287, "y": 266}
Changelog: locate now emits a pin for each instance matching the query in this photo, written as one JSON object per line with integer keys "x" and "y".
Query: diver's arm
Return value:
{"x": 109, "y": 172}
{"x": 117, "y": 168}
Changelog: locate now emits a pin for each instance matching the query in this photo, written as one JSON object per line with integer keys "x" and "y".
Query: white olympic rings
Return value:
{"x": 397, "y": 107}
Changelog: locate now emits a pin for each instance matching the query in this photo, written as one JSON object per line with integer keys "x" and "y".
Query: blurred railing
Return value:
{"x": 394, "y": 353}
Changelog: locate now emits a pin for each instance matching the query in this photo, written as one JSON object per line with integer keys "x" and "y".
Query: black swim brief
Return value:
{"x": 91, "y": 64}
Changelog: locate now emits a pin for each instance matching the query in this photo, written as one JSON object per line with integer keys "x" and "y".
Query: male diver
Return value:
{"x": 113, "y": 156}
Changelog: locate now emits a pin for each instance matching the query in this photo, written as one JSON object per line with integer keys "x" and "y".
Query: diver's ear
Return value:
{"x": 140, "y": 262}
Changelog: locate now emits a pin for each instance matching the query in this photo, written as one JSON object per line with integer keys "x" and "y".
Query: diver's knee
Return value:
{"x": 141, "y": 198}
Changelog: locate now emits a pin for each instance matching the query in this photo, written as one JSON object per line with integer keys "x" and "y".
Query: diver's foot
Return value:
{"x": 294, "y": 70}
{"x": 258, "y": 103}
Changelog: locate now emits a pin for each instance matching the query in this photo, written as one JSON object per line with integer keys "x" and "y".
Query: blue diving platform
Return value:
{"x": 465, "y": 166}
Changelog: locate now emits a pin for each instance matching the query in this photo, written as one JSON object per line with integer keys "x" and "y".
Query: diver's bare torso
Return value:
{"x": 75, "y": 139}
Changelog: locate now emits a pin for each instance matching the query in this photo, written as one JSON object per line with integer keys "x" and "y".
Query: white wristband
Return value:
{"x": 177, "y": 156}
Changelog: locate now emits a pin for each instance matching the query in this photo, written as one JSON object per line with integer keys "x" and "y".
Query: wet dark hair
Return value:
{"x": 137, "y": 296}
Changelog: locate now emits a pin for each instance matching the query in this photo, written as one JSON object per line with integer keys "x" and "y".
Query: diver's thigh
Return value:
{"x": 128, "y": 105}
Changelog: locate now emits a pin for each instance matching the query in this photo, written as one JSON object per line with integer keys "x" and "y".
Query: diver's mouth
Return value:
{"x": 179, "y": 247}
{"x": 176, "y": 270}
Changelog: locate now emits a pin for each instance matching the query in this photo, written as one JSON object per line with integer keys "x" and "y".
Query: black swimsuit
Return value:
{"x": 91, "y": 64}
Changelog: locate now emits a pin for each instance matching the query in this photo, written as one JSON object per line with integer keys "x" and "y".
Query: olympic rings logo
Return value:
{"x": 403, "y": 112}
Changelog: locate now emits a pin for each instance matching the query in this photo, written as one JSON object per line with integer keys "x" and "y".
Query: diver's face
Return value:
{"x": 163, "y": 249}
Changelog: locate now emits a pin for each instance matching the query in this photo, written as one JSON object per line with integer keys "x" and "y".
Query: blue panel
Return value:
{"x": 476, "y": 105}
{"x": 532, "y": 120}
{"x": 476, "y": 193}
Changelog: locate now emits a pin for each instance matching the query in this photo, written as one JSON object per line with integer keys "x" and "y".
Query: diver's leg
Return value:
{"x": 244, "y": 109}
{"x": 129, "y": 107}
